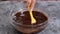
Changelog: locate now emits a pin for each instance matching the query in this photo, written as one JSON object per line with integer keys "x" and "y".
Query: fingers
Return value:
{"x": 32, "y": 4}
{"x": 27, "y": 1}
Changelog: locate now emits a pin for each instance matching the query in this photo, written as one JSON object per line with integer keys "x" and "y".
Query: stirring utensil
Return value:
{"x": 33, "y": 20}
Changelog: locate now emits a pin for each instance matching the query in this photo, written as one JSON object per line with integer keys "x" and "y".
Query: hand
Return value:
{"x": 30, "y": 2}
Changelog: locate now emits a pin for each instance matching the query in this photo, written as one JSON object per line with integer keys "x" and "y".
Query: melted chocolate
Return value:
{"x": 26, "y": 20}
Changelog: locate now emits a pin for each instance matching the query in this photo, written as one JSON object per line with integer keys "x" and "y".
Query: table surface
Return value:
{"x": 53, "y": 9}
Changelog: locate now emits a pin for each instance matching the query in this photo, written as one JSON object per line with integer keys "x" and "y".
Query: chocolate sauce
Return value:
{"x": 26, "y": 20}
